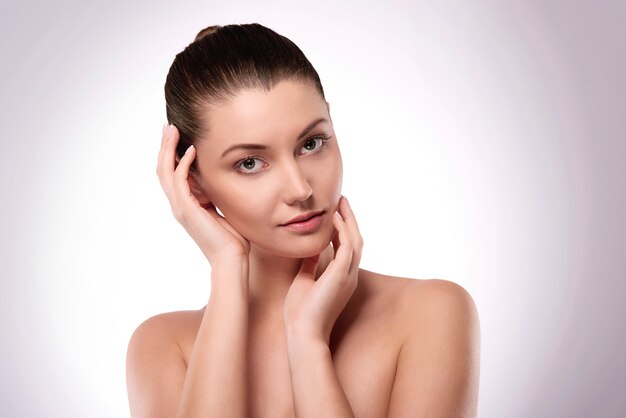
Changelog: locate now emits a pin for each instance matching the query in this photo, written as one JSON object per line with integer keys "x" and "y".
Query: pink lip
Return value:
{"x": 307, "y": 225}
{"x": 301, "y": 218}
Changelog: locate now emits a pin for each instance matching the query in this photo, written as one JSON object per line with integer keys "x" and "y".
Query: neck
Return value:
{"x": 270, "y": 276}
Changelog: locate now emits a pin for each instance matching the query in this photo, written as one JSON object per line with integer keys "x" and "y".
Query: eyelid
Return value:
{"x": 323, "y": 137}
{"x": 250, "y": 157}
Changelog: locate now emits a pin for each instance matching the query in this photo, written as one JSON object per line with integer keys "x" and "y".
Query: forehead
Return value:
{"x": 264, "y": 117}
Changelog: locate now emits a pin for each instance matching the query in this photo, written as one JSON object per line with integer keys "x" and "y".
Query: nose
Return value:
{"x": 295, "y": 183}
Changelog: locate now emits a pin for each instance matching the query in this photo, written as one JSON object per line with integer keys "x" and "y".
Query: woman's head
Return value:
{"x": 221, "y": 62}
{"x": 265, "y": 145}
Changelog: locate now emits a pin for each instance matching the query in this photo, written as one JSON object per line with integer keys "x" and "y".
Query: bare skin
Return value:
{"x": 293, "y": 326}
{"x": 384, "y": 314}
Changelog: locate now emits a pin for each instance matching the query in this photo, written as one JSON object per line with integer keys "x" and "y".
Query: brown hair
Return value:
{"x": 219, "y": 63}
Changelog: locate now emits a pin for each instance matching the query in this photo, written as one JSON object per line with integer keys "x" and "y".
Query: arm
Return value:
{"x": 155, "y": 369}
{"x": 213, "y": 384}
{"x": 311, "y": 309}
{"x": 316, "y": 388}
{"x": 439, "y": 363}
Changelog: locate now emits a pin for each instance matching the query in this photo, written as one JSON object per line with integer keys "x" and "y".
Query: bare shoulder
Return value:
{"x": 421, "y": 298}
{"x": 156, "y": 363}
{"x": 170, "y": 331}
{"x": 448, "y": 298}
{"x": 438, "y": 364}
{"x": 174, "y": 325}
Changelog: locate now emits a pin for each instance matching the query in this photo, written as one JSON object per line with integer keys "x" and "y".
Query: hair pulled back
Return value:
{"x": 218, "y": 64}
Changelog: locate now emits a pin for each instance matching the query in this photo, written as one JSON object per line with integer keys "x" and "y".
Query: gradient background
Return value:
{"x": 483, "y": 143}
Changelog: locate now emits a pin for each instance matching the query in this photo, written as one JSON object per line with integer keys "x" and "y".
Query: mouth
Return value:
{"x": 303, "y": 218}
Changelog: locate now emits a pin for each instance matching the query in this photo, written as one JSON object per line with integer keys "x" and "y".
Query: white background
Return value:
{"x": 483, "y": 143}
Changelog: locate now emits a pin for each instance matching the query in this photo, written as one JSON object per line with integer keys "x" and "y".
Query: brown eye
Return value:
{"x": 310, "y": 144}
{"x": 250, "y": 165}
{"x": 314, "y": 145}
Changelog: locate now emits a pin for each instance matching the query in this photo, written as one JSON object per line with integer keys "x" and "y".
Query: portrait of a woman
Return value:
{"x": 252, "y": 169}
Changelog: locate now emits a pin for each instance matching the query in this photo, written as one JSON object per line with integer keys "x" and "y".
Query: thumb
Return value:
{"x": 309, "y": 266}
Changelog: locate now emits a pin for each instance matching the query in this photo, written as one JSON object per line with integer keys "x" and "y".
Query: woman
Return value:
{"x": 293, "y": 326}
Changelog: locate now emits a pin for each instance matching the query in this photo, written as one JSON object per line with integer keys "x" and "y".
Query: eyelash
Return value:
{"x": 322, "y": 138}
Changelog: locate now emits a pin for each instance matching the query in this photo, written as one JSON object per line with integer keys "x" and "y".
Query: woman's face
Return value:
{"x": 268, "y": 158}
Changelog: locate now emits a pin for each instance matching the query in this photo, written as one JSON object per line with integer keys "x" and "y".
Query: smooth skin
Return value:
{"x": 293, "y": 326}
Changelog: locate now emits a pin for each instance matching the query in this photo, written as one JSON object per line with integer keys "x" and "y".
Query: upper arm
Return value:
{"x": 155, "y": 370}
{"x": 439, "y": 363}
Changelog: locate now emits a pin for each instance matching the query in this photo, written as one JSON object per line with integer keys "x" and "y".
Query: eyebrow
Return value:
{"x": 304, "y": 132}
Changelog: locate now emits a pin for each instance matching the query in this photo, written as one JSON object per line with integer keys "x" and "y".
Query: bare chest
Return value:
{"x": 365, "y": 344}
{"x": 365, "y": 362}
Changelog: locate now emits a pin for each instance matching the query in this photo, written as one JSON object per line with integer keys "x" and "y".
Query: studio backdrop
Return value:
{"x": 483, "y": 143}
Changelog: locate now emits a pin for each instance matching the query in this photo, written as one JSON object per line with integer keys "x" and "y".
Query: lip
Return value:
{"x": 304, "y": 217}
{"x": 307, "y": 223}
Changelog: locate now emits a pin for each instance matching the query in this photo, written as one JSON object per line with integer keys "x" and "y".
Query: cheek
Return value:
{"x": 243, "y": 207}
{"x": 330, "y": 179}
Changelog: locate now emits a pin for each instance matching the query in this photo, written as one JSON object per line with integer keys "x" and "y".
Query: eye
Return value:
{"x": 249, "y": 165}
{"x": 313, "y": 145}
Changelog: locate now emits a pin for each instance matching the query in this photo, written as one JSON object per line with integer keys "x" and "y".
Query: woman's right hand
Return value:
{"x": 217, "y": 239}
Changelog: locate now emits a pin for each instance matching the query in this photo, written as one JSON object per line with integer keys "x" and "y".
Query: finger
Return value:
{"x": 336, "y": 278}
{"x": 344, "y": 239}
{"x": 354, "y": 232}
{"x": 335, "y": 239}
{"x": 342, "y": 245}
{"x": 348, "y": 216}
{"x": 308, "y": 267}
{"x": 182, "y": 172}
{"x": 161, "y": 148}
{"x": 170, "y": 142}
{"x": 165, "y": 166}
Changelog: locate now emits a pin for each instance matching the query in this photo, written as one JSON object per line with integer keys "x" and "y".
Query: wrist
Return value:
{"x": 298, "y": 338}
{"x": 301, "y": 348}
{"x": 230, "y": 276}
{"x": 231, "y": 264}
{"x": 300, "y": 330}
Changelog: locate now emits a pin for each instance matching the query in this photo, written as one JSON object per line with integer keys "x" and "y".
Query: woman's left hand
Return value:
{"x": 312, "y": 306}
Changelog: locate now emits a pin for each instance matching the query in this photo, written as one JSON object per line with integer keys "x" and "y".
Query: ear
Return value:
{"x": 197, "y": 191}
{"x": 194, "y": 186}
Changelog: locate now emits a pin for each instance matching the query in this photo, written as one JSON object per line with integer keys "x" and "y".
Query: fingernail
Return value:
{"x": 163, "y": 130}
{"x": 189, "y": 149}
